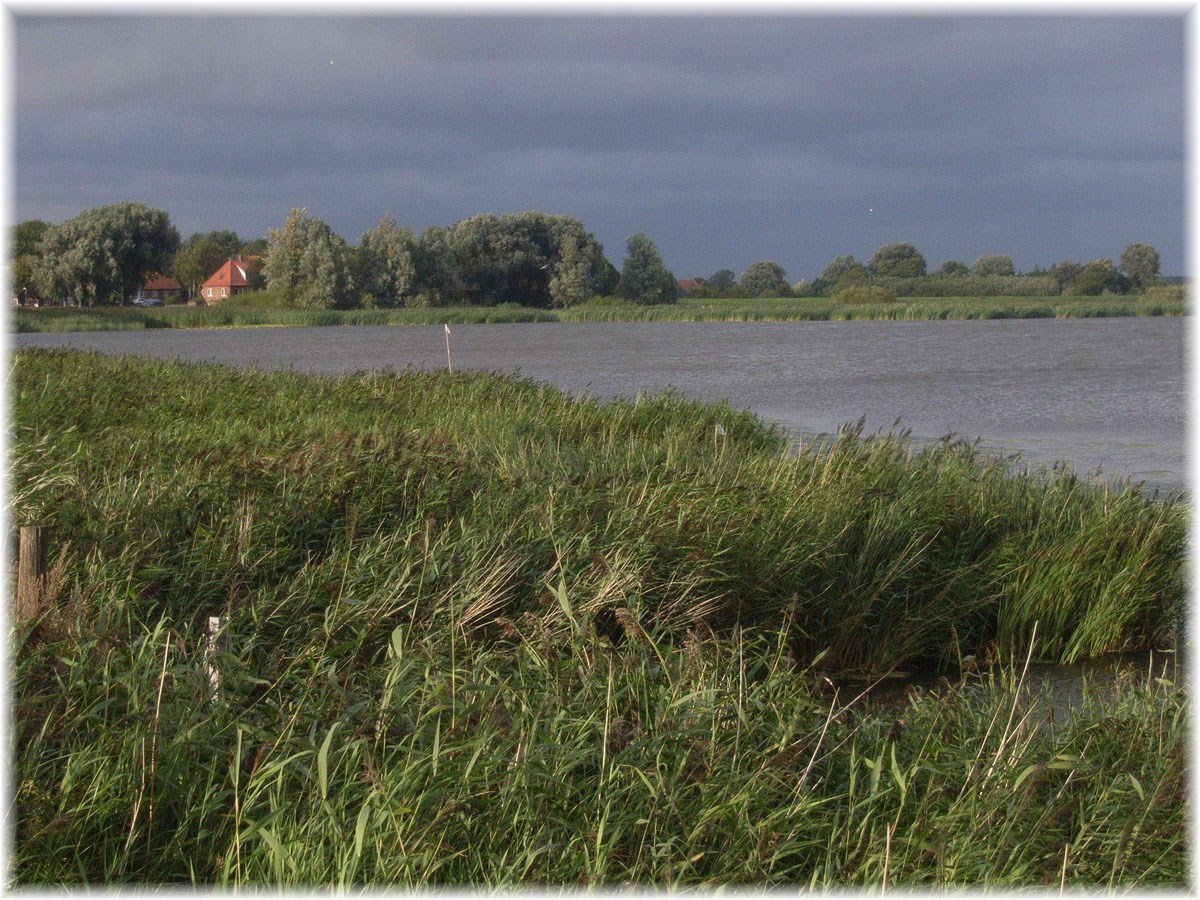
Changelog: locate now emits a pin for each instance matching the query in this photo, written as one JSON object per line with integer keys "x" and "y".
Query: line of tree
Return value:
{"x": 104, "y": 255}
{"x": 531, "y": 258}
{"x": 535, "y": 259}
{"x": 901, "y": 270}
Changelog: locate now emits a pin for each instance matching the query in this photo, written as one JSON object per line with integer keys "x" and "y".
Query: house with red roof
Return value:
{"x": 162, "y": 287}
{"x": 233, "y": 278}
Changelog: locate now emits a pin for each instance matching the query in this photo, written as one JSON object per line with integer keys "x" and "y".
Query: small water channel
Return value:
{"x": 1059, "y": 691}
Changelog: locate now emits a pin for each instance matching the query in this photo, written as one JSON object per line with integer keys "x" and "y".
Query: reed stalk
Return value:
{"x": 485, "y": 634}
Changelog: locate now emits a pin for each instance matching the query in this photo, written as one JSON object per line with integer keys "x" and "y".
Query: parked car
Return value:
{"x": 147, "y": 301}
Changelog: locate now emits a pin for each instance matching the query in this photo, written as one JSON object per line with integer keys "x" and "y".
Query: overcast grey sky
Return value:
{"x": 794, "y": 138}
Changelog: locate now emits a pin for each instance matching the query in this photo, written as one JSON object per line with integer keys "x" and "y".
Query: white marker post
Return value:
{"x": 216, "y": 641}
{"x": 449, "y": 367}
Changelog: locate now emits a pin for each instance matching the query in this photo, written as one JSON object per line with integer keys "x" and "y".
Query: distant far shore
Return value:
{"x": 781, "y": 309}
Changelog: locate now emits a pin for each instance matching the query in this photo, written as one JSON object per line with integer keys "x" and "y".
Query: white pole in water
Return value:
{"x": 449, "y": 367}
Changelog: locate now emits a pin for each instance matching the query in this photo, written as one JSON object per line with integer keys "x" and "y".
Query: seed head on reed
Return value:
{"x": 629, "y": 624}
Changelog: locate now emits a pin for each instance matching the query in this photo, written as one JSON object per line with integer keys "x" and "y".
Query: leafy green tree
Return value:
{"x": 386, "y": 272}
{"x": 722, "y": 281}
{"x": 1099, "y": 276}
{"x": 841, "y": 272}
{"x": 105, "y": 254}
{"x": 282, "y": 268}
{"x": 473, "y": 253}
{"x": 24, "y": 252}
{"x": 764, "y": 279}
{"x": 27, "y": 236}
{"x": 308, "y": 264}
{"x": 644, "y": 278}
{"x": 498, "y": 263}
{"x": 993, "y": 265}
{"x": 578, "y": 267}
{"x": 1064, "y": 275}
{"x": 256, "y": 247}
{"x": 572, "y": 281}
{"x": 20, "y": 275}
{"x": 431, "y": 259}
{"x": 898, "y": 260}
{"x": 532, "y": 258}
{"x": 1141, "y": 263}
{"x": 201, "y": 255}
{"x": 953, "y": 268}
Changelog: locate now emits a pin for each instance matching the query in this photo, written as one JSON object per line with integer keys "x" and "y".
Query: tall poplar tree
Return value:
{"x": 644, "y": 278}
{"x": 1140, "y": 262}
{"x": 386, "y": 271}
{"x": 308, "y": 264}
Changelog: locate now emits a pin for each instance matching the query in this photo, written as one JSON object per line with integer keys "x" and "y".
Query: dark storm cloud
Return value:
{"x": 726, "y": 139}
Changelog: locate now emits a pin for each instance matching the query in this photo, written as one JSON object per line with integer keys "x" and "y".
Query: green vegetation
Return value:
{"x": 241, "y": 315}
{"x": 102, "y": 253}
{"x": 863, "y": 293}
{"x": 764, "y": 279}
{"x": 545, "y": 261}
{"x": 203, "y": 253}
{"x": 485, "y": 634}
{"x": 245, "y": 311}
{"x": 645, "y": 280}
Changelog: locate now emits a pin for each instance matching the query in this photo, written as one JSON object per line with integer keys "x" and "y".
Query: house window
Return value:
{"x": 222, "y": 292}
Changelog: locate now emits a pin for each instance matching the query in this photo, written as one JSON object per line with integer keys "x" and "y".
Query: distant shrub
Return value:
{"x": 993, "y": 266}
{"x": 419, "y": 301}
{"x": 970, "y": 286}
{"x": 864, "y": 293}
{"x": 260, "y": 299}
{"x": 1099, "y": 277}
{"x": 1165, "y": 293}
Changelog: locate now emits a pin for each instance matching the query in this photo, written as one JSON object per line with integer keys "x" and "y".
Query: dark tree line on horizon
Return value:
{"x": 532, "y": 258}
{"x": 901, "y": 270}
{"x": 103, "y": 256}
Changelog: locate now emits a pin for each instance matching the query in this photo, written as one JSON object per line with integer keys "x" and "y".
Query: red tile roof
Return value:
{"x": 232, "y": 274}
{"x": 162, "y": 283}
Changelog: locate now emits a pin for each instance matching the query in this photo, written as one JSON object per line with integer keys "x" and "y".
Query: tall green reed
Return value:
{"x": 761, "y": 309}
{"x": 483, "y": 633}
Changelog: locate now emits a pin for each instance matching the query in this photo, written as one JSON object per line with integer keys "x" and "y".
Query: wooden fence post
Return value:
{"x": 31, "y": 572}
{"x": 216, "y": 641}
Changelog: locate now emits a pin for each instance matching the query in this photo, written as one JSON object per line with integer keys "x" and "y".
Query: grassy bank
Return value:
{"x": 481, "y": 632}
{"x": 686, "y": 310}
{"x": 824, "y": 309}
{"x": 235, "y": 316}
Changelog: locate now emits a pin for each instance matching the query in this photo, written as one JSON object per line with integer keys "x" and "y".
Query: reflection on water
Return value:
{"x": 1103, "y": 394}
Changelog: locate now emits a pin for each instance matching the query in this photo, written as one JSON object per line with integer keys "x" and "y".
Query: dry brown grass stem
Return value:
{"x": 162, "y": 677}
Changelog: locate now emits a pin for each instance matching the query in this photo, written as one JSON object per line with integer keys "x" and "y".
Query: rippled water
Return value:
{"x": 1107, "y": 394}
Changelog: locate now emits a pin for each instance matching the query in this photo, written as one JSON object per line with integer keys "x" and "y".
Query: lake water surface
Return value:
{"x": 1107, "y": 394}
